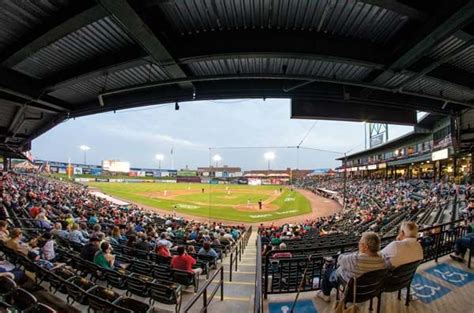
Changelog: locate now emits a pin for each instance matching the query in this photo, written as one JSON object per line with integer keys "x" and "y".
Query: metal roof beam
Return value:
{"x": 455, "y": 22}
{"x": 398, "y": 7}
{"x": 133, "y": 24}
{"x": 70, "y": 25}
{"x": 26, "y": 89}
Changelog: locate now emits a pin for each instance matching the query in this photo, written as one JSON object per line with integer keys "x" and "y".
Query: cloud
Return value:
{"x": 150, "y": 137}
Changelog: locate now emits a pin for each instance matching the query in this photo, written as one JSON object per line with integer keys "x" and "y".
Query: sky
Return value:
{"x": 240, "y": 131}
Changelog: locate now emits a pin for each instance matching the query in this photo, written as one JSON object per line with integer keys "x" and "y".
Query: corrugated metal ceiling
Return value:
{"x": 20, "y": 17}
{"x": 266, "y": 65}
{"x": 99, "y": 38}
{"x": 348, "y": 18}
{"x": 89, "y": 89}
{"x": 464, "y": 60}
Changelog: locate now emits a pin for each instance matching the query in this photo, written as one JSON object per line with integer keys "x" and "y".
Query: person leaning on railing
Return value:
{"x": 352, "y": 265}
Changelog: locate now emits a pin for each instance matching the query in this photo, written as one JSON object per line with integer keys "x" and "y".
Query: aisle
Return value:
{"x": 238, "y": 293}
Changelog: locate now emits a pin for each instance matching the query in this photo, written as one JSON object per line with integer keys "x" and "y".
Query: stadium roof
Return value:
{"x": 374, "y": 60}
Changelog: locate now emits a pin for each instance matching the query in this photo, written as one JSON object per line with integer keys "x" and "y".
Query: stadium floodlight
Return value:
{"x": 160, "y": 158}
{"x": 85, "y": 148}
{"x": 269, "y": 156}
{"x": 216, "y": 158}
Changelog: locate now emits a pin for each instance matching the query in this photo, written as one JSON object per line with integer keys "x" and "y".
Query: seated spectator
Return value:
{"x": 132, "y": 239}
{"x": 116, "y": 236}
{"x": 164, "y": 241}
{"x": 35, "y": 257}
{"x": 42, "y": 221}
{"x": 47, "y": 250}
{"x": 15, "y": 242}
{"x": 97, "y": 231}
{"x": 207, "y": 250}
{"x": 92, "y": 219}
{"x": 104, "y": 256}
{"x": 143, "y": 243}
{"x": 353, "y": 265}
{"x": 462, "y": 244}
{"x": 278, "y": 255}
{"x": 89, "y": 250}
{"x": 191, "y": 250}
{"x": 4, "y": 233}
{"x": 83, "y": 229}
{"x": 76, "y": 235}
{"x": 405, "y": 249}
{"x": 163, "y": 250}
{"x": 9, "y": 270}
{"x": 59, "y": 232}
{"x": 184, "y": 262}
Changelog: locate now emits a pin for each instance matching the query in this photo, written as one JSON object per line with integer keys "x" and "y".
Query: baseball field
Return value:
{"x": 224, "y": 202}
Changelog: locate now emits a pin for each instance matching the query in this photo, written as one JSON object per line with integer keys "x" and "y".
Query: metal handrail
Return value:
{"x": 206, "y": 301}
{"x": 258, "y": 300}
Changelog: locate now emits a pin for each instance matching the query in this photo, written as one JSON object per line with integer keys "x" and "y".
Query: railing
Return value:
{"x": 206, "y": 301}
{"x": 237, "y": 250}
{"x": 285, "y": 275}
{"x": 258, "y": 300}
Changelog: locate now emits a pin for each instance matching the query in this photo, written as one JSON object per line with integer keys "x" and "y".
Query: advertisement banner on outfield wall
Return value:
{"x": 169, "y": 181}
{"x": 141, "y": 173}
{"x": 115, "y": 180}
{"x": 83, "y": 180}
{"x": 102, "y": 180}
{"x": 128, "y": 180}
{"x": 254, "y": 181}
{"x": 96, "y": 171}
{"x": 149, "y": 174}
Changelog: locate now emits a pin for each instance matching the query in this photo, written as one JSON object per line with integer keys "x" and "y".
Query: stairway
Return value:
{"x": 238, "y": 293}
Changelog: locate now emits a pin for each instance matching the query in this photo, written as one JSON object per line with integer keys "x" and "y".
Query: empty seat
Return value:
{"x": 130, "y": 305}
{"x": 166, "y": 293}
{"x": 185, "y": 278}
{"x": 20, "y": 299}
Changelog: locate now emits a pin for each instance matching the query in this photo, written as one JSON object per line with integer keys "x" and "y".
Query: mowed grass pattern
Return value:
{"x": 216, "y": 202}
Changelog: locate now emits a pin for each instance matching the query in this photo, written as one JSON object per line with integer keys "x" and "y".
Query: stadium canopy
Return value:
{"x": 372, "y": 60}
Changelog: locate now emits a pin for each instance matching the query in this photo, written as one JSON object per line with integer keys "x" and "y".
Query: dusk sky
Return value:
{"x": 136, "y": 135}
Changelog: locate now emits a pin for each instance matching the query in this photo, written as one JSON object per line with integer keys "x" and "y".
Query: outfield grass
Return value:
{"x": 216, "y": 202}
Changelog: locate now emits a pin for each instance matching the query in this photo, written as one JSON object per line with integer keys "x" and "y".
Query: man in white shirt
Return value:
{"x": 405, "y": 249}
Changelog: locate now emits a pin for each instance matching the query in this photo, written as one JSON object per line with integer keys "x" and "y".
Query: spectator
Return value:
{"x": 164, "y": 241}
{"x": 353, "y": 265}
{"x": 89, "y": 250}
{"x": 4, "y": 234}
{"x": 35, "y": 257}
{"x": 278, "y": 255}
{"x": 163, "y": 250}
{"x": 104, "y": 256}
{"x": 15, "y": 242}
{"x": 405, "y": 249}
{"x": 76, "y": 235}
{"x": 116, "y": 237}
{"x": 48, "y": 248}
{"x": 462, "y": 244}
{"x": 93, "y": 219}
{"x": 59, "y": 232}
{"x": 184, "y": 262}
{"x": 9, "y": 270}
{"x": 207, "y": 250}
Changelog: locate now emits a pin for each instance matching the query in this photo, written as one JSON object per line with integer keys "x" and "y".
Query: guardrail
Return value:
{"x": 236, "y": 252}
{"x": 258, "y": 300}
{"x": 206, "y": 301}
{"x": 285, "y": 275}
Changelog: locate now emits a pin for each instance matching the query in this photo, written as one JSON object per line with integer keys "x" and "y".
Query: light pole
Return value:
{"x": 269, "y": 156}
{"x": 84, "y": 148}
{"x": 160, "y": 158}
{"x": 216, "y": 158}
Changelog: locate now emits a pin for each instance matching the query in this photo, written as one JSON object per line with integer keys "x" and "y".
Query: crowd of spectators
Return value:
{"x": 68, "y": 212}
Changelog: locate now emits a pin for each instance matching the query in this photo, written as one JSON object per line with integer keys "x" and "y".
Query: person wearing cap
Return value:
{"x": 89, "y": 250}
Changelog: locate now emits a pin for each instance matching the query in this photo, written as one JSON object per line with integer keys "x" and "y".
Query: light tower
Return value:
{"x": 269, "y": 156}
{"x": 84, "y": 148}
